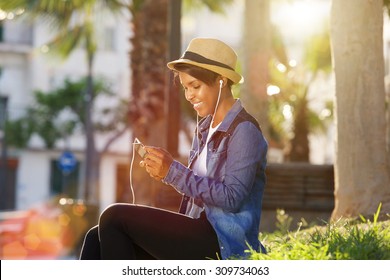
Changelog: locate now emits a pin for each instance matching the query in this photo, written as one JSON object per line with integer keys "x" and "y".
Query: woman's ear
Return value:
{"x": 222, "y": 81}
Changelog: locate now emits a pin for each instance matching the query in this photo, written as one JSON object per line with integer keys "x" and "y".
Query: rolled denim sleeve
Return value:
{"x": 177, "y": 171}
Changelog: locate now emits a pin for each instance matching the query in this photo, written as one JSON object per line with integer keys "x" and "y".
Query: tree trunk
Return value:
{"x": 300, "y": 142}
{"x": 91, "y": 183}
{"x": 173, "y": 94}
{"x": 257, "y": 46}
{"x": 362, "y": 164}
{"x": 388, "y": 120}
{"x": 148, "y": 64}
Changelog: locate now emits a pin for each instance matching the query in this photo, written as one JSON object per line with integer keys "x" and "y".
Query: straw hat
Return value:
{"x": 210, "y": 54}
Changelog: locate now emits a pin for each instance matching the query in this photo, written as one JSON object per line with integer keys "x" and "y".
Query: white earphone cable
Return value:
{"x": 131, "y": 173}
{"x": 216, "y": 105}
{"x": 215, "y": 110}
{"x": 197, "y": 131}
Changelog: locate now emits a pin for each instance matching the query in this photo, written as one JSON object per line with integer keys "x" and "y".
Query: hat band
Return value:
{"x": 201, "y": 59}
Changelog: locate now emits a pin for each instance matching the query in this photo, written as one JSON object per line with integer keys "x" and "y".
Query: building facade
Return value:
{"x": 33, "y": 174}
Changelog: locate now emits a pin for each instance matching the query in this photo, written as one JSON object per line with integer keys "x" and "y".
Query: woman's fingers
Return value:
{"x": 156, "y": 162}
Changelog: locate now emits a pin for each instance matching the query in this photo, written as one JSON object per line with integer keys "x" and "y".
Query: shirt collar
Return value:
{"x": 227, "y": 121}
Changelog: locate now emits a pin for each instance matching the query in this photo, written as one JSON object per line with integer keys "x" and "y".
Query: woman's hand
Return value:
{"x": 157, "y": 162}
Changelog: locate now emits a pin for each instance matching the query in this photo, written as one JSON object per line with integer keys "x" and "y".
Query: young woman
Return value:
{"x": 222, "y": 185}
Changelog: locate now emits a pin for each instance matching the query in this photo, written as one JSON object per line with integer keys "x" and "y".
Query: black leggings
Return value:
{"x": 127, "y": 232}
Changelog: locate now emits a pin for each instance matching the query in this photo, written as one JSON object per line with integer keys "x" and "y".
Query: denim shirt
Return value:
{"x": 232, "y": 190}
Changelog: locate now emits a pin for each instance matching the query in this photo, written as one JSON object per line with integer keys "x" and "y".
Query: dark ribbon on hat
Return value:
{"x": 201, "y": 59}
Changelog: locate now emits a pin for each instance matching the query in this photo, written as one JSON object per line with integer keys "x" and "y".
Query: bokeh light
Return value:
{"x": 52, "y": 230}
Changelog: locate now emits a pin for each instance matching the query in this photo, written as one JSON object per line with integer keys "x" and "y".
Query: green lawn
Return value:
{"x": 359, "y": 239}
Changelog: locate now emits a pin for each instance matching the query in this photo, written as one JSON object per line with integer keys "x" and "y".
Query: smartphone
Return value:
{"x": 139, "y": 147}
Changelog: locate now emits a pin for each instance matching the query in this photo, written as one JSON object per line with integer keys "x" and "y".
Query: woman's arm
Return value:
{"x": 245, "y": 158}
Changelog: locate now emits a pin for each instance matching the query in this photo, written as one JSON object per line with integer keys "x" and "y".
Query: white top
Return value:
{"x": 200, "y": 166}
{"x": 200, "y": 169}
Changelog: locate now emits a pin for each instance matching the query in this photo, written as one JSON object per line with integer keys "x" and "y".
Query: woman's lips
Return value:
{"x": 197, "y": 105}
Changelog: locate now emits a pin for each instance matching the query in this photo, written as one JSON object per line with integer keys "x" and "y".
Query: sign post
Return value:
{"x": 66, "y": 162}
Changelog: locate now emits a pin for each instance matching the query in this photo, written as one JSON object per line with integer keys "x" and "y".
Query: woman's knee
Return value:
{"x": 92, "y": 233}
{"x": 90, "y": 249}
{"x": 113, "y": 214}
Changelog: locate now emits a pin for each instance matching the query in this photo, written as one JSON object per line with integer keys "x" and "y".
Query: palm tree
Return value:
{"x": 148, "y": 59}
{"x": 295, "y": 83}
{"x": 74, "y": 24}
{"x": 257, "y": 53}
{"x": 387, "y": 8}
{"x": 362, "y": 168}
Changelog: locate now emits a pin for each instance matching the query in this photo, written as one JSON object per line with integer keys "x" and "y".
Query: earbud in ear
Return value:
{"x": 220, "y": 83}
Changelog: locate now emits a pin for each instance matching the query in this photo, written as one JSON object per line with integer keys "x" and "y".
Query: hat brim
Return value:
{"x": 230, "y": 74}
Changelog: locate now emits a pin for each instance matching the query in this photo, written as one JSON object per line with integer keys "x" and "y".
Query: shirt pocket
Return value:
{"x": 216, "y": 164}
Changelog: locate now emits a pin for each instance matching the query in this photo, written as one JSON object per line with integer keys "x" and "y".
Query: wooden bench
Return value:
{"x": 299, "y": 186}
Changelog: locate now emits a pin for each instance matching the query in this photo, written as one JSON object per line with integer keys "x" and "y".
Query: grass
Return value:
{"x": 359, "y": 239}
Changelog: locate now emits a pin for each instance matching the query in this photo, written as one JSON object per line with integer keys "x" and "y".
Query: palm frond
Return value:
{"x": 66, "y": 41}
{"x": 216, "y": 6}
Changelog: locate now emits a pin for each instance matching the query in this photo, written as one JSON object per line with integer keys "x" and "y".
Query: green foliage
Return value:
{"x": 216, "y": 6}
{"x": 18, "y": 132}
{"x": 295, "y": 82}
{"x": 386, "y": 4}
{"x": 283, "y": 221}
{"x": 56, "y": 114}
{"x": 73, "y": 21}
{"x": 340, "y": 240}
{"x": 317, "y": 55}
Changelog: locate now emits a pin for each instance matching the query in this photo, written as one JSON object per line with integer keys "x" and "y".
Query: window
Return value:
{"x": 108, "y": 41}
{"x": 62, "y": 183}
{"x": 1, "y": 31}
{"x": 3, "y": 113}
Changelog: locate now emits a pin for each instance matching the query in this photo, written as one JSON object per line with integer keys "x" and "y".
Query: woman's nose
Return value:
{"x": 189, "y": 95}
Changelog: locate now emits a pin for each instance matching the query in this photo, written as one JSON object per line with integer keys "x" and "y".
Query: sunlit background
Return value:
{"x": 42, "y": 224}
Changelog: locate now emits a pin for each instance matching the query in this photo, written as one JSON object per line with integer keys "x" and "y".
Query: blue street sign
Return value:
{"x": 67, "y": 162}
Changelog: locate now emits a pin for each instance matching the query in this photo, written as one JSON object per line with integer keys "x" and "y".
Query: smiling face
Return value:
{"x": 202, "y": 96}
